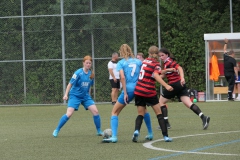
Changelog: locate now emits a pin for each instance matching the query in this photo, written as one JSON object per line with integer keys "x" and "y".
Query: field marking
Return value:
{"x": 149, "y": 145}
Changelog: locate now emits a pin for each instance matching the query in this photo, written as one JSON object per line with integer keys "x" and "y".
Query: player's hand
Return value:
{"x": 236, "y": 78}
{"x": 65, "y": 97}
{"x": 126, "y": 98}
{"x": 182, "y": 81}
{"x": 115, "y": 80}
{"x": 169, "y": 88}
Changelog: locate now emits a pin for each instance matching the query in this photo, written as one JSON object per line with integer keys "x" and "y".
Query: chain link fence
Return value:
{"x": 42, "y": 43}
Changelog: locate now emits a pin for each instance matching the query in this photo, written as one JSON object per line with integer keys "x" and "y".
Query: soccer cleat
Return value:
{"x": 110, "y": 140}
{"x": 206, "y": 121}
{"x": 168, "y": 126}
{"x": 135, "y": 136}
{"x": 230, "y": 99}
{"x": 149, "y": 137}
{"x": 55, "y": 133}
{"x": 167, "y": 139}
{"x": 99, "y": 133}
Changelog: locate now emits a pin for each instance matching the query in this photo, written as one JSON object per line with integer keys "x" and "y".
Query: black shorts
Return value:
{"x": 115, "y": 85}
{"x": 178, "y": 90}
{"x": 144, "y": 101}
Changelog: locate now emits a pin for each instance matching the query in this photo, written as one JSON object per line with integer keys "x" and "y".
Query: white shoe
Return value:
{"x": 238, "y": 98}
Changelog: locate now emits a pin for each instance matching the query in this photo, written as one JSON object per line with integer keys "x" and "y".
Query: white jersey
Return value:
{"x": 113, "y": 65}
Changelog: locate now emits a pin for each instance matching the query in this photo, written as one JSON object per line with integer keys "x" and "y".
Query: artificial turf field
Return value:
{"x": 26, "y": 134}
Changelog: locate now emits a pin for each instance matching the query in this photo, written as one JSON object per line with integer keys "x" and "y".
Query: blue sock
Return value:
{"x": 62, "y": 121}
{"x": 114, "y": 125}
{"x": 147, "y": 120}
{"x": 97, "y": 122}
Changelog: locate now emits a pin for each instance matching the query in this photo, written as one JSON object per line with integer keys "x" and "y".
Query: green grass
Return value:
{"x": 26, "y": 134}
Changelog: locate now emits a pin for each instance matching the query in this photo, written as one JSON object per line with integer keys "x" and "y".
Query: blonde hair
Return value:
{"x": 90, "y": 59}
{"x": 125, "y": 51}
{"x": 153, "y": 52}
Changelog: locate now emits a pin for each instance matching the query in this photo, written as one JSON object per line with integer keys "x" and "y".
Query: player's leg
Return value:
{"x": 63, "y": 120}
{"x": 231, "y": 82}
{"x": 238, "y": 88}
{"x": 234, "y": 91}
{"x": 117, "y": 108}
{"x": 147, "y": 120}
{"x": 188, "y": 103}
{"x": 161, "y": 122}
{"x": 73, "y": 105}
{"x": 89, "y": 104}
{"x": 164, "y": 109}
{"x": 138, "y": 122}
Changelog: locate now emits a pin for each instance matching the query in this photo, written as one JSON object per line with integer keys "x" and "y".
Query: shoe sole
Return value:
{"x": 148, "y": 138}
{"x": 109, "y": 141}
{"x": 207, "y": 123}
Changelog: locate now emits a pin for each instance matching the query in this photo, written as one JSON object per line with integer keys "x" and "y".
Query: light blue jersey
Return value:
{"x": 81, "y": 83}
{"x": 131, "y": 69}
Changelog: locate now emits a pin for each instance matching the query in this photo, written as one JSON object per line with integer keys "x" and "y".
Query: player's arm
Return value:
{"x": 162, "y": 82}
{"x": 168, "y": 70}
{"x": 111, "y": 73}
{"x": 123, "y": 81}
{"x": 181, "y": 73}
{"x": 225, "y": 45}
{"x": 69, "y": 86}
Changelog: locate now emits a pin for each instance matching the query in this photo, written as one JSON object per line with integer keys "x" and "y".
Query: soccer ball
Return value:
{"x": 107, "y": 133}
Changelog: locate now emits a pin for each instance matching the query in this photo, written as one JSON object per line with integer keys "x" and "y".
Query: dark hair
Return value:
{"x": 167, "y": 52}
{"x": 230, "y": 52}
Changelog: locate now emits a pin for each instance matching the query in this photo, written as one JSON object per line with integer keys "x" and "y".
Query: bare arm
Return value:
{"x": 111, "y": 73}
{"x": 236, "y": 72}
{"x": 168, "y": 70}
{"x": 181, "y": 73}
{"x": 123, "y": 81}
{"x": 69, "y": 86}
{"x": 162, "y": 82}
{"x": 225, "y": 45}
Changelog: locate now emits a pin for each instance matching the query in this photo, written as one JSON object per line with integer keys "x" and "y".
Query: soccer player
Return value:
{"x": 237, "y": 85}
{"x": 129, "y": 69}
{"x": 78, "y": 91}
{"x": 114, "y": 77}
{"x": 145, "y": 93}
{"x": 230, "y": 69}
{"x": 140, "y": 56}
{"x": 177, "y": 81}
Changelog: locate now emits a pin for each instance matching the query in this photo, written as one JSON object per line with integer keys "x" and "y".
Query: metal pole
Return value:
{"x": 63, "y": 50}
{"x": 93, "y": 58}
{"x": 134, "y": 28}
{"x": 231, "y": 19}
{"x": 23, "y": 54}
{"x": 158, "y": 22}
{"x": 159, "y": 37}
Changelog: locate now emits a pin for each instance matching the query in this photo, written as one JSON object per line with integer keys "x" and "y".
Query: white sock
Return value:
{"x": 233, "y": 95}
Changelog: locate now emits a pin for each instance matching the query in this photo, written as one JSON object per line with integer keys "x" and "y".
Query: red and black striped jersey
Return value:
{"x": 172, "y": 76}
{"x": 146, "y": 83}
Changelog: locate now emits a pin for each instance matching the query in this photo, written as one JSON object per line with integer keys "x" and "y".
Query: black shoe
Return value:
{"x": 206, "y": 121}
{"x": 168, "y": 126}
{"x": 230, "y": 99}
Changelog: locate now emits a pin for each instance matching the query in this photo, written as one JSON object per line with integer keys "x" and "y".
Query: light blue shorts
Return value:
{"x": 75, "y": 102}
{"x": 121, "y": 97}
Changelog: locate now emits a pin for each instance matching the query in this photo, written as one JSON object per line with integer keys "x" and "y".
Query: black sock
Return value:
{"x": 197, "y": 110}
{"x": 162, "y": 124}
{"x": 138, "y": 122}
{"x": 165, "y": 113}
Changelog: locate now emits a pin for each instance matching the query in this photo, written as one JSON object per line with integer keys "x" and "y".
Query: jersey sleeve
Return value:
{"x": 74, "y": 78}
{"x": 157, "y": 68}
{"x": 110, "y": 65}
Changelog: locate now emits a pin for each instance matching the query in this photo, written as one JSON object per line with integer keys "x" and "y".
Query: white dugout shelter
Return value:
{"x": 214, "y": 43}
